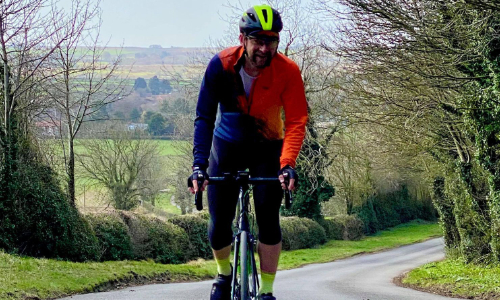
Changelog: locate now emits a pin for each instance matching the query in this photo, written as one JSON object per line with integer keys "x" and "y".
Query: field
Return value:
{"x": 137, "y": 62}
{"x": 134, "y": 63}
{"x": 149, "y": 62}
{"x": 92, "y": 196}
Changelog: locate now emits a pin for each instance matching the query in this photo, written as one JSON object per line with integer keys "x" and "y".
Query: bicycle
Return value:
{"x": 245, "y": 281}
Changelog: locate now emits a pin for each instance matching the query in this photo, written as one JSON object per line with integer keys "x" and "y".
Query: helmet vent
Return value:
{"x": 252, "y": 16}
{"x": 264, "y": 13}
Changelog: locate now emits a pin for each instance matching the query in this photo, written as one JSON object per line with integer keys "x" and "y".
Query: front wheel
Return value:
{"x": 253, "y": 275}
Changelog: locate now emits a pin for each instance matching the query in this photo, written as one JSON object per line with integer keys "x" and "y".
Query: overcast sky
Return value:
{"x": 181, "y": 23}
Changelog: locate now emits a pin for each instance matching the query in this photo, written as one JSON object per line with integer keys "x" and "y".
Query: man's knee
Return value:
{"x": 219, "y": 235}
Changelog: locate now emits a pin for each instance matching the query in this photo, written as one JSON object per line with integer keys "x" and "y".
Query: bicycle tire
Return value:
{"x": 235, "y": 286}
{"x": 254, "y": 277}
{"x": 244, "y": 266}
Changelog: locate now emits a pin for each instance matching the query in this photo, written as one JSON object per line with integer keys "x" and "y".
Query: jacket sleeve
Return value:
{"x": 206, "y": 112}
{"x": 295, "y": 107}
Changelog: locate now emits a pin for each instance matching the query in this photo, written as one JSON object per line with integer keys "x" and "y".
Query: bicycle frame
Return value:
{"x": 244, "y": 243}
{"x": 246, "y": 286}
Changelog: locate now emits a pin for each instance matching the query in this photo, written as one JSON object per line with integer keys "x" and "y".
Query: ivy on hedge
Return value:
{"x": 42, "y": 223}
{"x": 113, "y": 236}
{"x": 343, "y": 227}
{"x": 197, "y": 231}
{"x": 155, "y": 239}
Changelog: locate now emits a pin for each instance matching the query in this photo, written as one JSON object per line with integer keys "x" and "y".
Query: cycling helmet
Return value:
{"x": 260, "y": 18}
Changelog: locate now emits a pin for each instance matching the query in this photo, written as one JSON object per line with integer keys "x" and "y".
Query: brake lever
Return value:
{"x": 288, "y": 193}
{"x": 198, "y": 197}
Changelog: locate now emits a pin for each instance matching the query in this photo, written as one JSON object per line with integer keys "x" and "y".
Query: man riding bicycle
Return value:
{"x": 239, "y": 125}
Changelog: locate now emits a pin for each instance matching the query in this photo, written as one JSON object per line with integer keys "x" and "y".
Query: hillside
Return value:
{"x": 149, "y": 62}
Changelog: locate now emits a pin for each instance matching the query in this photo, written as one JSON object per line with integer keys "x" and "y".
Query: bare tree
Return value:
{"x": 24, "y": 51}
{"x": 82, "y": 83}
{"x": 117, "y": 162}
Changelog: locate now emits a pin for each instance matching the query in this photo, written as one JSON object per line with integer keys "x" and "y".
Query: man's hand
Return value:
{"x": 288, "y": 172}
{"x": 198, "y": 174}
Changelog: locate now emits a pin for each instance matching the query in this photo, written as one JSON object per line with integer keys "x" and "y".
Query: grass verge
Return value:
{"x": 452, "y": 277}
{"x": 29, "y": 278}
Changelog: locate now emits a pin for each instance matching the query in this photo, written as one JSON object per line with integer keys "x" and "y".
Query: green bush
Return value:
{"x": 300, "y": 233}
{"x": 113, "y": 236}
{"x": 205, "y": 215}
{"x": 76, "y": 242}
{"x": 366, "y": 213}
{"x": 350, "y": 226}
{"x": 45, "y": 223}
{"x": 197, "y": 231}
{"x": 293, "y": 233}
{"x": 155, "y": 239}
{"x": 333, "y": 230}
{"x": 389, "y": 211}
{"x": 384, "y": 210}
{"x": 317, "y": 235}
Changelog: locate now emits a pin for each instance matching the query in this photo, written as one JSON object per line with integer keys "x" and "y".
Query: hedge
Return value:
{"x": 205, "y": 215}
{"x": 197, "y": 232}
{"x": 39, "y": 221}
{"x": 350, "y": 227}
{"x": 333, "y": 230}
{"x": 300, "y": 233}
{"x": 385, "y": 210}
{"x": 153, "y": 238}
{"x": 113, "y": 236}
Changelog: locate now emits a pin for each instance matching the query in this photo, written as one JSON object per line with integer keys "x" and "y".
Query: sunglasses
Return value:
{"x": 270, "y": 42}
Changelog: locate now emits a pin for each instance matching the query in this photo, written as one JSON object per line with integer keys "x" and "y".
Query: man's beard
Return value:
{"x": 266, "y": 63}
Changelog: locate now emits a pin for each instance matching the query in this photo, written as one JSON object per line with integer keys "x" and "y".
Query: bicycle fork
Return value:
{"x": 247, "y": 286}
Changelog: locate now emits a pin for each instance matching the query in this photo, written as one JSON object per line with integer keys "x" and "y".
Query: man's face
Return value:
{"x": 260, "y": 49}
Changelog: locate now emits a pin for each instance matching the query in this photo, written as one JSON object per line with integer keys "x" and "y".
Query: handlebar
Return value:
{"x": 242, "y": 177}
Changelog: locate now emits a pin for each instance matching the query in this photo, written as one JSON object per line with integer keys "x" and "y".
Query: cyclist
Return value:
{"x": 239, "y": 125}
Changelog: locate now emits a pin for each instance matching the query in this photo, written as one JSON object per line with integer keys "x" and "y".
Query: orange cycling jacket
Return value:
{"x": 225, "y": 111}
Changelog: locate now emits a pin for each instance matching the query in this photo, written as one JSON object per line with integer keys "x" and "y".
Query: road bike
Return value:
{"x": 245, "y": 281}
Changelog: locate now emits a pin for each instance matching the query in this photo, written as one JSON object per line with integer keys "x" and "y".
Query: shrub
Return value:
{"x": 367, "y": 215}
{"x": 317, "y": 235}
{"x": 351, "y": 227}
{"x": 197, "y": 232}
{"x": 205, "y": 215}
{"x": 300, "y": 233}
{"x": 294, "y": 233}
{"x": 113, "y": 236}
{"x": 333, "y": 230}
{"x": 46, "y": 225}
{"x": 76, "y": 241}
{"x": 384, "y": 210}
{"x": 155, "y": 239}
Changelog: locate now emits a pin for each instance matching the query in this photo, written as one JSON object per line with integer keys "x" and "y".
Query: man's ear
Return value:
{"x": 242, "y": 39}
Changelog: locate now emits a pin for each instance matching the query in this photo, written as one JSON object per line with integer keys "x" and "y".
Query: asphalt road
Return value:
{"x": 362, "y": 277}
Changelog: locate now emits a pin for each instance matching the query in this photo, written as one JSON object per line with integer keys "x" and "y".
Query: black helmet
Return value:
{"x": 260, "y": 18}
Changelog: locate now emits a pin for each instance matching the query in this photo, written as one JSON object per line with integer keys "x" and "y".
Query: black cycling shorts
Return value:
{"x": 263, "y": 160}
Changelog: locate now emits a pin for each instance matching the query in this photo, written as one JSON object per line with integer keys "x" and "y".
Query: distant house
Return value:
{"x": 48, "y": 128}
{"x": 155, "y": 46}
{"x": 137, "y": 126}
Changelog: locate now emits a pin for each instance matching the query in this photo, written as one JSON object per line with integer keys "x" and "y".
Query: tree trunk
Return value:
{"x": 490, "y": 160}
{"x": 445, "y": 209}
{"x": 473, "y": 227}
{"x": 71, "y": 171}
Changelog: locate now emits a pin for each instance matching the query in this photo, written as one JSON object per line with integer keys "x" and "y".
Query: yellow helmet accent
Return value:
{"x": 266, "y": 24}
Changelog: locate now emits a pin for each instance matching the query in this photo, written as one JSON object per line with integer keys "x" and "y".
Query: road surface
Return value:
{"x": 362, "y": 277}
